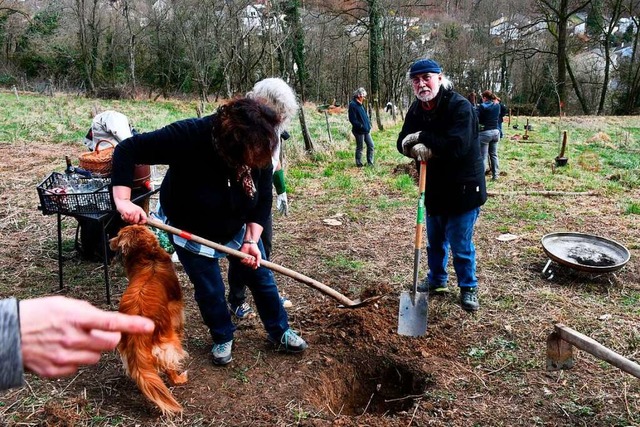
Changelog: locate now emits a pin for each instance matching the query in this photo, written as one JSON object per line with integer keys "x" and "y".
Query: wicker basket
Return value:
{"x": 99, "y": 160}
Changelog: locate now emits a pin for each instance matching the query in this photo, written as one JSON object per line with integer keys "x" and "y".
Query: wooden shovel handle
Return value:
{"x": 270, "y": 265}
{"x": 422, "y": 184}
{"x": 564, "y": 143}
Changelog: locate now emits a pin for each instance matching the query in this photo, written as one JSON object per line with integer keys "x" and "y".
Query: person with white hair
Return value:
{"x": 361, "y": 126}
{"x": 278, "y": 95}
{"x": 441, "y": 129}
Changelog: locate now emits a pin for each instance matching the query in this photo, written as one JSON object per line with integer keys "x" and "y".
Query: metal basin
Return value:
{"x": 585, "y": 252}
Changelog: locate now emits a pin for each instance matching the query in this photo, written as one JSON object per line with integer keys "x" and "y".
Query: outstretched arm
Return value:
{"x": 60, "y": 334}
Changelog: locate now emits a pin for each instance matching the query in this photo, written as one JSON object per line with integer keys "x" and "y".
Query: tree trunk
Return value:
{"x": 576, "y": 89}
{"x": 375, "y": 41}
{"x": 292, "y": 11}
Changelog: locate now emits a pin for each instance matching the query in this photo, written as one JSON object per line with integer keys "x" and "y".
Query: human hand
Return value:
{"x": 420, "y": 152}
{"x": 60, "y": 334}
{"x": 131, "y": 213}
{"x": 251, "y": 249}
{"x": 408, "y": 142}
{"x": 282, "y": 204}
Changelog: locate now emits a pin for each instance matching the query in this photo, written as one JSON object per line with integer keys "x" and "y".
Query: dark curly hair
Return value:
{"x": 244, "y": 133}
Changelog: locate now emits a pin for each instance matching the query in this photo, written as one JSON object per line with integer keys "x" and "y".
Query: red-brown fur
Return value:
{"x": 154, "y": 292}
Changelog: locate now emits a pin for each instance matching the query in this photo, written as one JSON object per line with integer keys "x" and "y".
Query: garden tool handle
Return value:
{"x": 420, "y": 220}
{"x": 264, "y": 263}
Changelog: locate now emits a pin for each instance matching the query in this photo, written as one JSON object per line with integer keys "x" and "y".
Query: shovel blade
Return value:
{"x": 412, "y": 317}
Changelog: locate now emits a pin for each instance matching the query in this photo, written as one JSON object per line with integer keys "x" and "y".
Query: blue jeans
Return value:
{"x": 489, "y": 146}
{"x": 204, "y": 273}
{"x": 453, "y": 232}
{"x": 361, "y": 139}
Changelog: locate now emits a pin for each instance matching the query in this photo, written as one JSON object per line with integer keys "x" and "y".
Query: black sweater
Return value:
{"x": 455, "y": 173}
{"x": 199, "y": 193}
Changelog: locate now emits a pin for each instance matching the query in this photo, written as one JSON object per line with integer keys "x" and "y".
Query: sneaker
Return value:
{"x": 469, "y": 299}
{"x": 290, "y": 342}
{"x": 437, "y": 288}
{"x": 222, "y": 353}
{"x": 243, "y": 311}
{"x": 285, "y": 302}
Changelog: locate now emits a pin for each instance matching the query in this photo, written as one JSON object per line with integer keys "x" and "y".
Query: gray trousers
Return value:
{"x": 361, "y": 139}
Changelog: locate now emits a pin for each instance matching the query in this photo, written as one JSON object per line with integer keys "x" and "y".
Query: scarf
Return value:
{"x": 243, "y": 175}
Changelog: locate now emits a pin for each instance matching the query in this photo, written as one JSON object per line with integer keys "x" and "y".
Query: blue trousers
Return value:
{"x": 453, "y": 232}
{"x": 204, "y": 273}
{"x": 489, "y": 147}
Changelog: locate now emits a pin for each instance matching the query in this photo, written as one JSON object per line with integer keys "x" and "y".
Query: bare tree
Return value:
{"x": 296, "y": 43}
{"x": 556, "y": 14}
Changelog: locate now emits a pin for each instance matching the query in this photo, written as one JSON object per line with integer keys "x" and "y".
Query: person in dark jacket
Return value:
{"x": 218, "y": 186}
{"x": 489, "y": 118}
{"x": 361, "y": 126}
{"x": 54, "y": 336}
{"x": 441, "y": 128}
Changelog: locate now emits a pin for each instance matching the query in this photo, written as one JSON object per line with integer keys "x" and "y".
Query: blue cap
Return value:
{"x": 423, "y": 66}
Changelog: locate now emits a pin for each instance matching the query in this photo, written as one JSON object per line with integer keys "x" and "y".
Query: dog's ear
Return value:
{"x": 113, "y": 243}
{"x": 124, "y": 241}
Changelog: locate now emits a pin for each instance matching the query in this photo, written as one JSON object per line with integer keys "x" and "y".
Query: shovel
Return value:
{"x": 412, "y": 317}
{"x": 561, "y": 160}
{"x": 346, "y": 302}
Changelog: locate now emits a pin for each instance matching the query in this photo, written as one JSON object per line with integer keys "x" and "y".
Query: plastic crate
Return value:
{"x": 60, "y": 193}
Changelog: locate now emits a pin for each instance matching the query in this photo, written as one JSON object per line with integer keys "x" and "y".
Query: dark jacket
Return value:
{"x": 199, "y": 193}
{"x": 489, "y": 115}
{"x": 455, "y": 173}
{"x": 11, "y": 369}
{"x": 359, "y": 118}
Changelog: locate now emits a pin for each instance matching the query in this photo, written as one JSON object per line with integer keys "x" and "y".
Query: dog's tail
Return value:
{"x": 137, "y": 356}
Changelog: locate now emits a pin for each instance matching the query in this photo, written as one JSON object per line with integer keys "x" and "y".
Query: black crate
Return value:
{"x": 60, "y": 193}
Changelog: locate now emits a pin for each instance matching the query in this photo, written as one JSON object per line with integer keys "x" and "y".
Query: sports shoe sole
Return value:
{"x": 221, "y": 362}
{"x": 282, "y": 348}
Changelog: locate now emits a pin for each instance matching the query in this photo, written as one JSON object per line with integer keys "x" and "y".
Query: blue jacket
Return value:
{"x": 11, "y": 369}
{"x": 359, "y": 118}
{"x": 489, "y": 115}
{"x": 455, "y": 173}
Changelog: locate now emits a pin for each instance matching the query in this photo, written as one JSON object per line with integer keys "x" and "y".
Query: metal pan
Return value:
{"x": 585, "y": 252}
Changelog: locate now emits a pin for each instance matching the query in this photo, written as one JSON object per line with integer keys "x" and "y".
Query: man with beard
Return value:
{"x": 441, "y": 129}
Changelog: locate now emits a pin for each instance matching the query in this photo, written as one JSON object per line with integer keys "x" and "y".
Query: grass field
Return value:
{"x": 486, "y": 369}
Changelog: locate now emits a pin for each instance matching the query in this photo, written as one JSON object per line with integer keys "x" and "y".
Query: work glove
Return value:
{"x": 408, "y": 142}
{"x": 282, "y": 204}
{"x": 420, "y": 152}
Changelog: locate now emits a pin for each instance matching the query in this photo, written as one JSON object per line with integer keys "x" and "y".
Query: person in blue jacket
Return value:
{"x": 361, "y": 126}
{"x": 441, "y": 129}
{"x": 489, "y": 119}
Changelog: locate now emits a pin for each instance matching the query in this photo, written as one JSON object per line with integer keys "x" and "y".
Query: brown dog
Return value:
{"x": 154, "y": 292}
